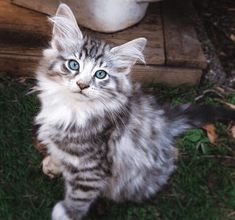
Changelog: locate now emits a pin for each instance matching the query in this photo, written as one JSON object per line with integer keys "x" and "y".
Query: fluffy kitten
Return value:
{"x": 101, "y": 132}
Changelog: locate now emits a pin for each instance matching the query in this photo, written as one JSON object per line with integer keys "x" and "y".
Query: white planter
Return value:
{"x": 98, "y": 15}
{"x": 109, "y": 15}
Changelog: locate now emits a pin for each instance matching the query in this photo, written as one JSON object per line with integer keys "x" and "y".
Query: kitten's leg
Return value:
{"x": 78, "y": 199}
{"x": 51, "y": 167}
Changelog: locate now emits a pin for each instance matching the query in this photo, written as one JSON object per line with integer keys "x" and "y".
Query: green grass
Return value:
{"x": 203, "y": 187}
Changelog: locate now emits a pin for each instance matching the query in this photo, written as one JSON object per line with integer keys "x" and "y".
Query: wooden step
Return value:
{"x": 24, "y": 33}
{"x": 181, "y": 43}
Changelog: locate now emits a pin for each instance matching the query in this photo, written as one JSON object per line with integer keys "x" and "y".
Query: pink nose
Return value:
{"x": 82, "y": 85}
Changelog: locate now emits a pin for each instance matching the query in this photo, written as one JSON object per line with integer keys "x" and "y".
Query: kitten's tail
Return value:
{"x": 184, "y": 117}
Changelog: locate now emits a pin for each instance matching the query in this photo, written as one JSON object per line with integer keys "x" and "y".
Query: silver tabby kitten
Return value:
{"x": 101, "y": 132}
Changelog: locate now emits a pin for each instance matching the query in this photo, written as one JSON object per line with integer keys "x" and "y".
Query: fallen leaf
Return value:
{"x": 232, "y": 37}
{"x": 233, "y": 131}
{"x": 211, "y": 133}
{"x": 220, "y": 89}
{"x": 230, "y": 105}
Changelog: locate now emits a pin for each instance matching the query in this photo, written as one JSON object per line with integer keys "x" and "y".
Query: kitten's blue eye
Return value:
{"x": 73, "y": 65}
{"x": 100, "y": 74}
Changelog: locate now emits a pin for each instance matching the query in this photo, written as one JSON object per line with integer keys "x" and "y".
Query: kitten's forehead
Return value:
{"x": 93, "y": 48}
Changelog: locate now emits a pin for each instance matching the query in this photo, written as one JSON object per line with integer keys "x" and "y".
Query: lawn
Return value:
{"x": 203, "y": 187}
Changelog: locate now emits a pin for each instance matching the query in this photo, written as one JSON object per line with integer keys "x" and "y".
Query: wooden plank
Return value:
{"x": 181, "y": 42}
{"x": 44, "y": 6}
{"x": 22, "y": 31}
{"x": 17, "y": 65}
{"x": 166, "y": 75}
{"x": 23, "y": 34}
{"x": 17, "y": 18}
{"x": 150, "y": 27}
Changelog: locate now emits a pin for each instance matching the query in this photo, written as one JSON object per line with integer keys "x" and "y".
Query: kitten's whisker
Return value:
{"x": 33, "y": 90}
{"x": 111, "y": 113}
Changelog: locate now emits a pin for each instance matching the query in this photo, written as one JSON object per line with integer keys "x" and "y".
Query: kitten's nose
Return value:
{"x": 82, "y": 85}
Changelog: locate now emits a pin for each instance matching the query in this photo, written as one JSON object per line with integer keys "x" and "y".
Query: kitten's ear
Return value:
{"x": 66, "y": 33}
{"x": 127, "y": 54}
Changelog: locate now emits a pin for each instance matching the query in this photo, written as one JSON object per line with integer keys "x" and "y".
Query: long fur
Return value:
{"x": 109, "y": 139}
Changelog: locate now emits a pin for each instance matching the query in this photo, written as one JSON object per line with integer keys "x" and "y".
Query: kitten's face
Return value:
{"x": 88, "y": 71}
{"x": 88, "y": 68}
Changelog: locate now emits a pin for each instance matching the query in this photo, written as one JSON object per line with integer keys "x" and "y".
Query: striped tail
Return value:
{"x": 184, "y": 117}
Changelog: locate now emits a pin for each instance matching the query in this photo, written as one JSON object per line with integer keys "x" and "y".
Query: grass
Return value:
{"x": 203, "y": 187}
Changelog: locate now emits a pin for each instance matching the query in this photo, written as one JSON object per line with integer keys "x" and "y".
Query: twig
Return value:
{"x": 228, "y": 89}
{"x": 226, "y": 103}
{"x": 218, "y": 157}
{"x": 208, "y": 91}
{"x": 231, "y": 214}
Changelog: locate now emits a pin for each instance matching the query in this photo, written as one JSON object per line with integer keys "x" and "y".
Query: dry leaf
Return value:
{"x": 220, "y": 89}
{"x": 233, "y": 131}
{"x": 232, "y": 37}
{"x": 211, "y": 133}
{"x": 230, "y": 105}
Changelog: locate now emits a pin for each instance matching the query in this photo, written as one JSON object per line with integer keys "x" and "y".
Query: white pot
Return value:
{"x": 98, "y": 15}
{"x": 108, "y": 15}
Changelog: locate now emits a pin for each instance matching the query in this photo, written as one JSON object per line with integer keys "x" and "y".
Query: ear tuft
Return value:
{"x": 64, "y": 10}
{"x": 66, "y": 33}
{"x": 126, "y": 55}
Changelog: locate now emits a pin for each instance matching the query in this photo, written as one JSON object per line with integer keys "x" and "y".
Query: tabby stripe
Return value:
{"x": 60, "y": 57}
{"x": 96, "y": 167}
{"x": 64, "y": 68}
{"x": 99, "y": 174}
{"x": 76, "y": 153}
{"x": 84, "y": 188}
{"x": 79, "y": 199}
{"x": 70, "y": 168}
{"x": 98, "y": 57}
{"x": 86, "y": 179}
{"x": 73, "y": 169}
{"x": 52, "y": 65}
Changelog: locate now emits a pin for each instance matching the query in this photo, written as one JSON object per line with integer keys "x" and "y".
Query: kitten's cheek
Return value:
{"x": 89, "y": 92}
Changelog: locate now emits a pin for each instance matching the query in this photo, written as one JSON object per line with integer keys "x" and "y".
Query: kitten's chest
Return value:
{"x": 74, "y": 139}
{"x": 73, "y": 135}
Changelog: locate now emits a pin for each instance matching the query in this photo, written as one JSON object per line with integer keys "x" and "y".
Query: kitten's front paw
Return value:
{"x": 59, "y": 212}
{"x": 51, "y": 167}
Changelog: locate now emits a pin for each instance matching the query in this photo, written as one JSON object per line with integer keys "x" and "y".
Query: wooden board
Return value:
{"x": 23, "y": 34}
{"x": 181, "y": 43}
{"x": 18, "y": 65}
{"x": 166, "y": 75}
{"x": 43, "y": 6}
{"x": 150, "y": 27}
{"x": 19, "y": 19}
{"x": 26, "y": 65}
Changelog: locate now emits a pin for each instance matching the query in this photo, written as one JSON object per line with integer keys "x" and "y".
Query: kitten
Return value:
{"x": 101, "y": 132}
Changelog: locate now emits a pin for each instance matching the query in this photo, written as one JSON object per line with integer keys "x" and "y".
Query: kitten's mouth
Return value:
{"x": 83, "y": 94}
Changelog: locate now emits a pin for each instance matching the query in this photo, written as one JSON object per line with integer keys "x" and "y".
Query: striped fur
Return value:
{"x": 108, "y": 139}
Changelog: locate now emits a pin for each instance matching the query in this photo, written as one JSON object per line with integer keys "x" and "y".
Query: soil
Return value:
{"x": 218, "y": 19}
